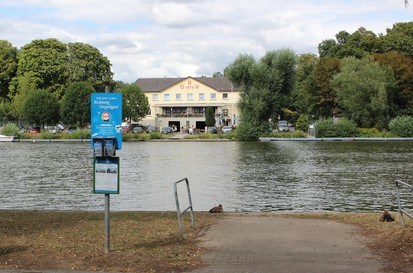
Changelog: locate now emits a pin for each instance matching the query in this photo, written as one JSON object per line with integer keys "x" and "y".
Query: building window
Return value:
{"x": 178, "y": 96}
{"x": 213, "y": 96}
{"x": 155, "y": 96}
{"x": 190, "y": 96}
{"x": 201, "y": 96}
{"x": 166, "y": 97}
{"x": 225, "y": 95}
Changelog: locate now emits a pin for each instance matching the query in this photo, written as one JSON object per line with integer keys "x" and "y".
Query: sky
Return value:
{"x": 180, "y": 38}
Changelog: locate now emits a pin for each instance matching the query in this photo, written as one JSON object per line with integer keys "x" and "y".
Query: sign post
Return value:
{"x": 106, "y": 138}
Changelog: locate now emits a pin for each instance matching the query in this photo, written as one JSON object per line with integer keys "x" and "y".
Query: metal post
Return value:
{"x": 400, "y": 206}
{"x": 107, "y": 223}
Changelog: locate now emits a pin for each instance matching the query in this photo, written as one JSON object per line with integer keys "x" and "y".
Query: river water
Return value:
{"x": 242, "y": 176}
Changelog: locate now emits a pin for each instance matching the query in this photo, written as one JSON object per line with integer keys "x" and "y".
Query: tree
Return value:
{"x": 401, "y": 99}
{"x": 8, "y": 66}
{"x": 399, "y": 38}
{"x": 47, "y": 60}
{"x": 304, "y": 95}
{"x": 87, "y": 64}
{"x": 55, "y": 65}
{"x": 75, "y": 104}
{"x": 210, "y": 117}
{"x": 135, "y": 105}
{"x": 362, "y": 88}
{"x": 41, "y": 108}
{"x": 27, "y": 84}
{"x": 265, "y": 86}
{"x": 325, "y": 97}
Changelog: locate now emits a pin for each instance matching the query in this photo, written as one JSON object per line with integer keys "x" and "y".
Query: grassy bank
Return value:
{"x": 150, "y": 242}
{"x": 140, "y": 241}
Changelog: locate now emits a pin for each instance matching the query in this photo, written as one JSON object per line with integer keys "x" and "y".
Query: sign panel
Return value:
{"x": 106, "y": 117}
{"x": 106, "y": 175}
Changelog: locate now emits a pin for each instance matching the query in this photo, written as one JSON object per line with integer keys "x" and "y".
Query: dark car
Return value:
{"x": 71, "y": 129}
{"x": 166, "y": 130}
{"x": 212, "y": 130}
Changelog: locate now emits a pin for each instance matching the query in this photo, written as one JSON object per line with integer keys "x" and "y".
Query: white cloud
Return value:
{"x": 157, "y": 38}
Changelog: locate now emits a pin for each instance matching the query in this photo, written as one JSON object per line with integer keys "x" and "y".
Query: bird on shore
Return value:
{"x": 386, "y": 217}
{"x": 217, "y": 209}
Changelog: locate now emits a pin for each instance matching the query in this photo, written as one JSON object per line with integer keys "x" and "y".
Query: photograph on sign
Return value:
{"x": 106, "y": 175}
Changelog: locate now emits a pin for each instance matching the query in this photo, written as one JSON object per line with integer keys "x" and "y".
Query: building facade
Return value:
{"x": 181, "y": 102}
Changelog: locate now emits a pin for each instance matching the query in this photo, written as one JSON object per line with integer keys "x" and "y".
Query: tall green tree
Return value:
{"x": 47, "y": 61}
{"x": 399, "y": 38}
{"x": 75, "y": 104}
{"x": 325, "y": 97}
{"x": 362, "y": 88}
{"x": 401, "y": 99}
{"x": 41, "y": 108}
{"x": 210, "y": 116}
{"x": 27, "y": 85}
{"x": 304, "y": 95}
{"x": 135, "y": 105}
{"x": 8, "y": 66}
{"x": 265, "y": 87}
{"x": 87, "y": 64}
{"x": 54, "y": 65}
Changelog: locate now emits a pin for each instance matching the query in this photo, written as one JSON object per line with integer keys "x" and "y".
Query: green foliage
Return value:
{"x": 78, "y": 134}
{"x": 265, "y": 86}
{"x": 295, "y": 134}
{"x": 75, "y": 104}
{"x": 210, "y": 117}
{"x": 362, "y": 88}
{"x": 342, "y": 128}
{"x": 87, "y": 64}
{"x": 47, "y": 135}
{"x": 304, "y": 95}
{"x": 402, "y": 126}
{"x": 10, "y": 130}
{"x": 135, "y": 105}
{"x": 41, "y": 108}
{"x": 8, "y": 66}
{"x": 302, "y": 123}
{"x": 155, "y": 135}
{"x": 325, "y": 128}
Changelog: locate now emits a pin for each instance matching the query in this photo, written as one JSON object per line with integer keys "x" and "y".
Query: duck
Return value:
{"x": 217, "y": 209}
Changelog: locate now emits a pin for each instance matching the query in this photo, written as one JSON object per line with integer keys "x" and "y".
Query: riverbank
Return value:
{"x": 149, "y": 241}
{"x": 182, "y": 138}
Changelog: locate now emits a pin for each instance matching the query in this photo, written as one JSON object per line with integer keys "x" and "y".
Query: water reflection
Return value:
{"x": 243, "y": 176}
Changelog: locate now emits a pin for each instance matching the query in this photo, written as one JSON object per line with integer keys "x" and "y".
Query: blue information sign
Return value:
{"x": 106, "y": 117}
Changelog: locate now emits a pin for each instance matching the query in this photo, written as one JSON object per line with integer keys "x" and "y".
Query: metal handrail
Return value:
{"x": 179, "y": 212}
{"x": 402, "y": 211}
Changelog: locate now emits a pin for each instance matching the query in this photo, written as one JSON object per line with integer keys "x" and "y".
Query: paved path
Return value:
{"x": 271, "y": 243}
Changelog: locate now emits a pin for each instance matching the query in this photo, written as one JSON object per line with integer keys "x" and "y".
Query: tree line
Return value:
{"x": 48, "y": 81}
{"x": 362, "y": 76}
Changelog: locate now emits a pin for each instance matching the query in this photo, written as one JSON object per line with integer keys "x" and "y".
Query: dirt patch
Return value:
{"x": 140, "y": 241}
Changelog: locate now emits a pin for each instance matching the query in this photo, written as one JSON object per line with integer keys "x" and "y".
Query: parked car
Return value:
{"x": 166, "y": 130}
{"x": 212, "y": 130}
{"x": 71, "y": 129}
{"x": 137, "y": 130}
{"x": 152, "y": 129}
{"x": 34, "y": 129}
{"x": 52, "y": 129}
{"x": 226, "y": 129}
{"x": 283, "y": 126}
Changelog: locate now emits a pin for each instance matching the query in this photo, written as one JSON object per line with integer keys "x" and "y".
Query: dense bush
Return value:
{"x": 341, "y": 128}
{"x": 10, "y": 130}
{"x": 402, "y": 126}
{"x": 79, "y": 134}
{"x": 302, "y": 123}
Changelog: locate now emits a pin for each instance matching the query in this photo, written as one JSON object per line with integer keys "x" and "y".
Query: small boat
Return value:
{"x": 4, "y": 138}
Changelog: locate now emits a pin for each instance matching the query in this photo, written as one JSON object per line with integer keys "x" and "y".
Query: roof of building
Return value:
{"x": 160, "y": 84}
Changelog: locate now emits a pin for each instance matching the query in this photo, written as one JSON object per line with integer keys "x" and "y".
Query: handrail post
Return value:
{"x": 178, "y": 210}
{"x": 399, "y": 204}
